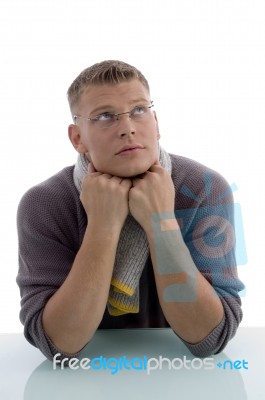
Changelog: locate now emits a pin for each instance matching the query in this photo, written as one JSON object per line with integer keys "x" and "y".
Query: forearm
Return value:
{"x": 73, "y": 313}
{"x": 189, "y": 302}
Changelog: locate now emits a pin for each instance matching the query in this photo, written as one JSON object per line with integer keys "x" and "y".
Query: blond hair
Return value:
{"x": 105, "y": 72}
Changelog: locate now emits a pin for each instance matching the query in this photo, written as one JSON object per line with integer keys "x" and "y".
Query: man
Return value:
{"x": 130, "y": 236}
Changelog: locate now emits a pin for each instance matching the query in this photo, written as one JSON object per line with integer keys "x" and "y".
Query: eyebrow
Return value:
{"x": 105, "y": 107}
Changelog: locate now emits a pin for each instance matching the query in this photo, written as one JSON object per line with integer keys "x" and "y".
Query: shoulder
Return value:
{"x": 52, "y": 195}
{"x": 198, "y": 182}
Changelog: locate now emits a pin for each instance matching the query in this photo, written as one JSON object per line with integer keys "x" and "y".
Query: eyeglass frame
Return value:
{"x": 94, "y": 119}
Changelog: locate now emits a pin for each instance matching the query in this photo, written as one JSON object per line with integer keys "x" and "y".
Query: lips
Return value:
{"x": 129, "y": 148}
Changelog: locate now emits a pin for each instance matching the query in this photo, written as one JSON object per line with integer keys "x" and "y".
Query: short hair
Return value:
{"x": 105, "y": 72}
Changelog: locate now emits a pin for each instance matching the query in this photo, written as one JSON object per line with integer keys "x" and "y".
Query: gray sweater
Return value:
{"x": 51, "y": 224}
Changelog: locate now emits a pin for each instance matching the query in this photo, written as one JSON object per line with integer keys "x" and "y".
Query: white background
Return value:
{"x": 205, "y": 62}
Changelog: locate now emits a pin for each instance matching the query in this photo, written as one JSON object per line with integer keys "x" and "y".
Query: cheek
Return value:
{"x": 93, "y": 148}
{"x": 98, "y": 154}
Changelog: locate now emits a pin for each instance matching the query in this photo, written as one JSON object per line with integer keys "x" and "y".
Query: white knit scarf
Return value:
{"x": 132, "y": 251}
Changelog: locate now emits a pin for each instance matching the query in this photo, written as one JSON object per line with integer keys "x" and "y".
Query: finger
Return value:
{"x": 126, "y": 183}
{"x": 157, "y": 162}
{"x": 91, "y": 168}
{"x": 155, "y": 168}
{"x": 114, "y": 178}
{"x": 136, "y": 181}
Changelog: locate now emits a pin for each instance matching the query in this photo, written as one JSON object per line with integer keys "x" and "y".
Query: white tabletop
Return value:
{"x": 26, "y": 374}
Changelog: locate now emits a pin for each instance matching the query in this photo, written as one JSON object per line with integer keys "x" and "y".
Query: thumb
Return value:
{"x": 157, "y": 162}
{"x": 91, "y": 169}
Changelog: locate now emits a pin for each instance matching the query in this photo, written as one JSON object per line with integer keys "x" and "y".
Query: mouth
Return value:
{"x": 129, "y": 149}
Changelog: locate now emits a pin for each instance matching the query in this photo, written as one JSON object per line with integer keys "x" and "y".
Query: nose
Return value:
{"x": 125, "y": 125}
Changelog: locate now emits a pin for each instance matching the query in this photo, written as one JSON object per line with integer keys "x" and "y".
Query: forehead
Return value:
{"x": 116, "y": 96}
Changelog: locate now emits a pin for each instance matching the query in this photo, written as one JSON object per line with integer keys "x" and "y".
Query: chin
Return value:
{"x": 131, "y": 176}
{"x": 132, "y": 172}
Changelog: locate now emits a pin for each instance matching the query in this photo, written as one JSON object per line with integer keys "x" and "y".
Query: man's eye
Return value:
{"x": 105, "y": 117}
{"x": 139, "y": 110}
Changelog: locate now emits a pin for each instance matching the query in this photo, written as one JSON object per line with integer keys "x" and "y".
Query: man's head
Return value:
{"x": 124, "y": 145}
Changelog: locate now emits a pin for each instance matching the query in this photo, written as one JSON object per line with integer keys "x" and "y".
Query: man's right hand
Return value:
{"x": 73, "y": 313}
{"x": 105, "y": 198}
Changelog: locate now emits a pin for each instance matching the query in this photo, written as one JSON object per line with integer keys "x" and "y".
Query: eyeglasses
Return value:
{"x": 110, "y": 120}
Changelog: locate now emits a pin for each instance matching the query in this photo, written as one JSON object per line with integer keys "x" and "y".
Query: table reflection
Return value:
{"x": 190, "y": 382}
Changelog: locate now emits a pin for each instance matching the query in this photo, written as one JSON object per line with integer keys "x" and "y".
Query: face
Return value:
{"x": 130, "y": 147}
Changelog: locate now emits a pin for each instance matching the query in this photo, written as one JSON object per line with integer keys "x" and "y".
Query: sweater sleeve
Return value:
{"x": 46, "y": 253}
{"x": 208, "y": 229}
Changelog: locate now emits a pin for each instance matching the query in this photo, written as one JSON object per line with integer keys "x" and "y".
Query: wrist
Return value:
{"x": 161, "y": 222}
{"x": 103, "y": 229}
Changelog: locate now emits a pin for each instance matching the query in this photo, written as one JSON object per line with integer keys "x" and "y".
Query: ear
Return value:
{"x": 157, "y": 126}
{"x": 74, "y": 135}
